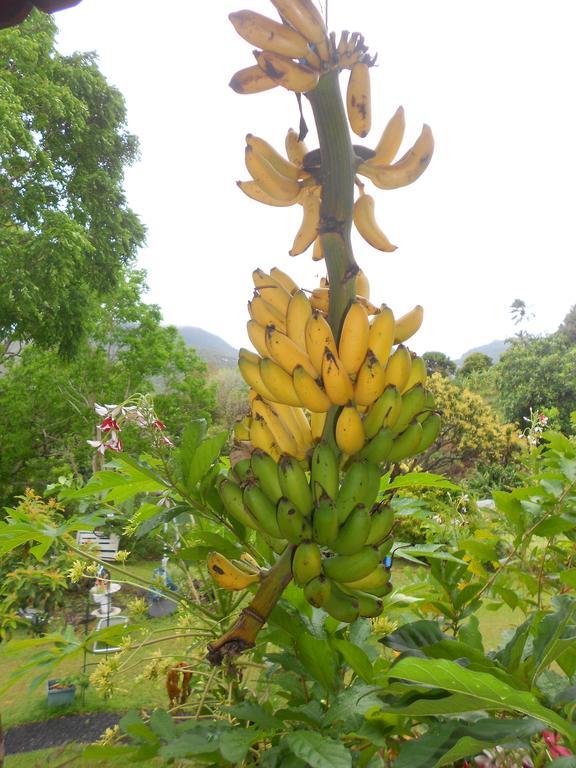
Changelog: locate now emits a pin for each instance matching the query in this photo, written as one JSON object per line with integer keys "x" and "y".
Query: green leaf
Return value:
{"x": 162, "y": 724}
{"x": 204, "y": 456}
{"x": 189, "y": 744}
{"x": 470, "y": 634}
{"x": 318, "y": 751}
{"x": 481, "y": 550}
{"x": 250, "y": 710}
{"x": 235, "y": 743}
{"x": 414, "y": 636}
{"x": 318, "y": 658}
{"x": 568, "y": 577}
{"x": 564, "y": 762}
{"x": 416, "y": 479}
{"x": 490, "y": 693}
{"x": 555, "y": 634}
{"x": 355, "y": 657}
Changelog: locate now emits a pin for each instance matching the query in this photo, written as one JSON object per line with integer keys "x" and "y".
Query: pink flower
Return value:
{"x": 158, "y": 424}
{"x": 166, "y": 440}
{"x": 109, "y": 424}
{"x": 556, "y": 749}
{"x": 98, "y": 444}
{"x": 542, "y": 418}
{"x": 114, "y": 442}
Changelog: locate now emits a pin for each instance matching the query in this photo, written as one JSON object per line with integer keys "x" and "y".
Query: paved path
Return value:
{"x": 58, "y": 730}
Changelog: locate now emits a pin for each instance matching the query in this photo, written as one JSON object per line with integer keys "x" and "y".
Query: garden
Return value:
{"x": 340, "y": 554}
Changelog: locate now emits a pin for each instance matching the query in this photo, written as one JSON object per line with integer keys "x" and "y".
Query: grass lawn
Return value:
{"x": 70, "y": 755}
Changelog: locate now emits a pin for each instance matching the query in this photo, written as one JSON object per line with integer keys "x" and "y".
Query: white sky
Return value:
{"x": 492, "y": 219}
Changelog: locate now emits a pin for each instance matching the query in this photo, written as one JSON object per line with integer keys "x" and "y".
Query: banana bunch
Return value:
{"x": 299, "y": 372}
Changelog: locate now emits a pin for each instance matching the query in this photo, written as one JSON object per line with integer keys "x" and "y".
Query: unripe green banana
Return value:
{"x": 369, "y": 606}
{"x": 317, "y": 591}
{"x": 345, "y": 568}
{"x": 429, "y": 406}
{"x": 306, "y": 562}
{"x": 277, "y": 545}
{"x": 377, "y": 450}
{"x": 232, "y": 498}
{"x": 376, "y": 583}
{"x": 241, "y": 469}
{"x": 354, "y": 532}
{"x": 265, "y": 471}
{"x": 413, "y": 401}
{"x": 385, "y": 409}
{"x": 324, "y": 472}
{"x": 360, "y": 486}
{"x": 407, "y": 443}
{"x": 291, "y": 522}
{"x": 262, "y": 509}
{"x": 341, "y": 606}
{"x": 325, "y": 525}
{"x": 430, "y": 431}
{"x": 381, "y": 523}
{"x": 294, "y": 484}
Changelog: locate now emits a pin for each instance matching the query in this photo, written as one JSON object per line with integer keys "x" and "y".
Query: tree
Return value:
{"x": 537, "y": 372}
{"x": 66, "y": 231}
{"x": 475, "y": 363}
{"x": 438, "y": 362}
{"x": 568, "y": 326}
{"x": 47, "y": 404}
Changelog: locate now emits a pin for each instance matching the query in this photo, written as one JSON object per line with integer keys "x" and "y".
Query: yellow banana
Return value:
{"x": 283, "y": 436}
{"x": 317, "y": 422}
{"x": 354, "y": 337}
{"x": 277, "y": 296}
{"x": 263, "y": 32}
{"x": 418, "y": 373}
{"x": 320, "y": 299}
{"x": 381, "y": 336}
{"x": 254, "y": 191}
{"x": 370, "y": 381}
{"x": 257, "y": 335}
{"x": 278, "y": 382}
{"x": 286, "y": 72}
{"x": 365, "y": 222}
{"x": 306, "y": 19}
{"x": 268, "y": 178}
{"x": 246, "y": 354}
{"x": 284, "y": 279}
{"x": 358, "y": 100}
{"x": 262, "y": 279}
{"x": 261, "y": 437}
{"x": 406, "y": 170}
{"x": 295, "y": 149}
{"x": 408, "y": 324}
{"x": 228, "y": 575}
{"x": 390, "y": 141}
{"x": 250, "y": 372}
{"x": 349, "y": 431}
{"x": 319, "y": 336}
{"x": 241, "y": 429}
{"x": 297, "y": 423}
{"x": 251, "y": 80}
{"x": 362, "y": 285}
{"x": 399, "y": 367}
{"x": 309, "y": 391}
{"x": 335, "y": 379}
{"x": 317, "y": 252}
{"x": 267, "y": 151}
{"x": 285, "y": 352}
{"x": 265, "y": 314}
{"x": 308, "y": 231}
{"x": 298, "y": 313}
{"x": 247, "y": 558}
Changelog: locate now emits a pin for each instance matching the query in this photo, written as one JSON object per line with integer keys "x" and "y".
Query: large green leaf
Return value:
{"x": 555, "y": 634}
{"x": 235, "y": 743}
{"x": 355, "y": 657}
{"x": 318, "y": 751}
{"x": 204, "y": 456}
{"x": 318, "y": 658}
{"x": 490, "y": 692}
{"x": 419, "y": 479}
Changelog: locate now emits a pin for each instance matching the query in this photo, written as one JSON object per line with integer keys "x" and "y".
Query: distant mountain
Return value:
{"x": 494, "y": 350}
{"x": 211, "y": 348}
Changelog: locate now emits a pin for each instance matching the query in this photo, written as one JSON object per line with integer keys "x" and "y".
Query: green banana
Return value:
{"x": 294, "y": 484}
{"x": 381, "y": 523}
{"x": 325, "y": 523}
{"x": 232, "y": 498}
{"x": 265, "y": 471}
{"x": 351, "y": 567}
{"x": 262, "y": 509}
{"x": 291, "y": 522}
{"x": 369, "y": 606}
{"x": 413, "y": 402}
{"x": 376, "y": 583}
{"x": 354, "y": 532}
{"x": 429, "y": 406}
{"x": 275, "y": 544}
{"x": 241, "y": 469}
{"x": 406, "y": 444}
{"x": 360, "y": 486}
{"x": 306, "y": 562}
{"x": 324, "y": 472}
{"x": 317, "y": 591}
{"x": 379, "y": 446}
{"x": 386, "y": 407}
{"x": 430, "y": 431}
{"x": 341, "y": 606}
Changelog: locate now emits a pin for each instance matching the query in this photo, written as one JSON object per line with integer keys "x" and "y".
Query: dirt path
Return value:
{"x": 58, "y": 731}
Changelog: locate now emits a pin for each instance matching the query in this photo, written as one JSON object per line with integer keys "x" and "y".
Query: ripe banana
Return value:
{"x": 261, "y": 437}
{"x": 406, "y": 444}
{"x": 295, "y": 149}
{"x": 265, "y": 314}
{"x": 286, "y": 72}
{"x": 346, "y": 568}
{"x": 317, "y": 422}
{"x": 265, "y": 470}
{"x": 309, "y": 392}
{"x": 362, "y": 285}
{"x": 398, "y": 367}
{"x": 406, "y": 170}
{"x": 306, "y": 19}
{"x": 324, "y": 474}
{"x": 308, "y": 231}
{"x": 408, "y": 324}
{"x": 358, "y": 102}
{"x": 267, "y": 151}
{"x": 360, "y": 485}
{"x": 241, "y": 429}
{"x": 317, "y": 252}
{"x": 286, "y": 353}
{"x": 381, "y": 335}
{"x": 418, "y": 373}
{"x": 386, "y": 408}
{"x": 250, "y": 372}
{"x": 325, "y": 525}
{"x": 370, "y": 381}
{"x": 366, "y": 224}
{"x": 381, "y": 523}
{"x": 253, "y": 190}
{"x": 228, "y": 575}
{"x": 349, "y": 431}
{"x": 256, "y": 334}
{"x": 283, "y": 279}
{"x": 353, "y": 342}
{"x": 298, "y": 424}
{"x": 353, "y": 533}
{"x": 283, "y": 437}
{"x": 413, "y": 402}
{"x": 377, "y": 450}
{"x": 292, "y": 523}
{"x": 251, "y": 80}
{"x": 294, "y": 485}
{"x": 306, "y": 562}
{"x": 231, "y": 495}
{"x": 268, "y": 178}
{"x": 319, "y": 337}
{"x": 278, "y": 382}
{"x": 262, "y": 509}
{"x": 262, "y": 32}
{"x": 297, "y": 315}
{"x": 317, "y": 591}
{"x": 320, "y": 299}
{"x": 390, "y": 141}
{"x": 336, "y": 381}
{"x": 276, "y": 296}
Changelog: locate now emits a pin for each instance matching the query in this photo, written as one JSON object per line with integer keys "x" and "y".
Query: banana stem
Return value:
{"x": 252, "y": 618}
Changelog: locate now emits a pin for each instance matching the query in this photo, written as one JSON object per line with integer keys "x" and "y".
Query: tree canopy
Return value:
{"x": 438, "y": 362}
{"x": 66, "y": 230}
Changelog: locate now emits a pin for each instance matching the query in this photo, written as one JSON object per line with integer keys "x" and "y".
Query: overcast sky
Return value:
{"x": 491, "y": 220}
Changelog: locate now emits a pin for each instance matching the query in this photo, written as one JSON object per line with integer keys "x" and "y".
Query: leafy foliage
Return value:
{"x": 438, "y": 362}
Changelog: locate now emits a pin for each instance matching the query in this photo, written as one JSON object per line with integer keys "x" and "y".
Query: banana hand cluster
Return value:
{"x": 234, "y": 575}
